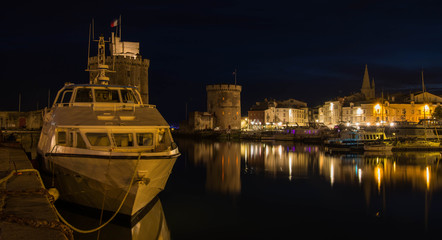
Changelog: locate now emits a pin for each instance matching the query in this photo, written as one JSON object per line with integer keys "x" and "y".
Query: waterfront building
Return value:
{"x": 291, "y": 112}
{"x": 363, "y": 109}
{"x": 330, "y": 113}
{"x": 200, "y": 121}
{"x": 12, "y": 120}
{"x": 261, "y": 113}
{"x": 273, "y": 114}
{"x": 224, "y": 103}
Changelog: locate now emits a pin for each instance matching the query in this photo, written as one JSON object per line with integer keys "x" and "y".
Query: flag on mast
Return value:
{"x": 114, "y": 23}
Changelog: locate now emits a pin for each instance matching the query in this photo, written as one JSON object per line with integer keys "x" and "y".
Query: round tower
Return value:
{"x": 224, "y": 102}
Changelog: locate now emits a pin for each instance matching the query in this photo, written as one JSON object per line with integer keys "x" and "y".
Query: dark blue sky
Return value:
{"x": 308, "y": 50}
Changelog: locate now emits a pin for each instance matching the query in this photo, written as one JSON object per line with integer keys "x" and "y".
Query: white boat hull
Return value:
{"x": 104, "y": 183}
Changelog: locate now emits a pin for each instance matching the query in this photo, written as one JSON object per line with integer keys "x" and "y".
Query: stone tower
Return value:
{"x": 224, "y": 102}
{"x": 126, "y": 65}
{"x": 367, "y": 89}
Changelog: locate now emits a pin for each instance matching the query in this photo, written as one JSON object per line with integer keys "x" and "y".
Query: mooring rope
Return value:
{"x": 35, "y": 222}
{"x": 17, "y": 172}
{"x": 113, "y": 216}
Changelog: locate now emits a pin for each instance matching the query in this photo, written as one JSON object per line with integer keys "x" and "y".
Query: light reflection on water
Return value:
{"x": 403, "y": 183}
{"x": 223, "y": 162}
{"x": 243, "y": 190}
{"x": 151, "y": 223}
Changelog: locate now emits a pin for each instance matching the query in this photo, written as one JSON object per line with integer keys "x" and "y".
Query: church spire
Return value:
{"x": 367, "y": 88}
{"x": 366, "y": 79}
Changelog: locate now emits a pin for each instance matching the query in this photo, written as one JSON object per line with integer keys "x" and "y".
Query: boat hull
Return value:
{"x": 378, "y": 147}
{"x": 103, "y": 184}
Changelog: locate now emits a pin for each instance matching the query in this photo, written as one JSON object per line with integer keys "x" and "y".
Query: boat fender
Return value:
{"x": 54, "y": 193}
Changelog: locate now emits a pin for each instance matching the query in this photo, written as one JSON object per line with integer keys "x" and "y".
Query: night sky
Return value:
{"x": 307, "y": 50}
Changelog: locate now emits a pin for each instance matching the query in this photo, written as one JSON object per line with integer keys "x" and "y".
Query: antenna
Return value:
{"x": 234, "y": 74}
{"x": 120, "y": 25}
{"x": 89, "y": 47}
{"x": 93, "y": 29}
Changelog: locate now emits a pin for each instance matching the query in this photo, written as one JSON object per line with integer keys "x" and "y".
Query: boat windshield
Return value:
{"x": 84, "y": 95}
{"x": 106, "y": 95}
{"x": 65, "y": 96}
{"x": 98, "y": 139}
{"x": 123, "y": 139}
{"x": 144, "y": 139}
{"x": 127, "y": 96}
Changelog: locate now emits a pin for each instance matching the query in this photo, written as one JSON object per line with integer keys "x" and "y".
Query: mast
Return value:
{"x": 425, "y": 109}
{"x": 102, "y": 67}
{"x": 423, "y": 96}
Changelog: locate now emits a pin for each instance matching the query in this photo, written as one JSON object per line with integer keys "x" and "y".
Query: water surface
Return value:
{"x": 276, "y": 190}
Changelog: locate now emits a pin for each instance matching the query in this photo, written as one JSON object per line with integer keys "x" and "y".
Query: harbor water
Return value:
{"x": 276, "y": 190}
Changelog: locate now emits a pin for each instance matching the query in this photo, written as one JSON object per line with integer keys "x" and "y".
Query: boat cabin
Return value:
{"x": 153, "y": 140}
{"x": 88, "y": 95}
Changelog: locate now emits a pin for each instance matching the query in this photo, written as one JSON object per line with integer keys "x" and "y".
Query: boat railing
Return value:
{"x": 106, "y": 106}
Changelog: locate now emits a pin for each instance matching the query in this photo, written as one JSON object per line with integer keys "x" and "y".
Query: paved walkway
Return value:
{"x": 25, "y": 208}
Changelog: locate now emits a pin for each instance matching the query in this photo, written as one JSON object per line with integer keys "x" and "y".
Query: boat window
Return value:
{"x": 84, "y": 95}
{"x": 161, "y": 136}
{"x": 144, "y": 139}
{"x": 123, "y": 139}
{"x": 128, "y": 96}
{"x": 70, "y": 139}
{"x": 106, "y": 95}
{"x": 98, "y": 139}
{"x": 61, "y": 138}
{"x": 61, "y": 94}
{"x": 66, "y": 97}
{"x": 80, "y": 141}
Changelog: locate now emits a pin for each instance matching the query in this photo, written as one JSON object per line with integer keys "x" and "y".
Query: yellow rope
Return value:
{"x": 14, "y": 172}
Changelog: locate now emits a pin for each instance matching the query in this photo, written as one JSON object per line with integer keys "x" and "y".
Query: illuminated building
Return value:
{"x": 363, "y": 109}
{"x": 272, "y": 113}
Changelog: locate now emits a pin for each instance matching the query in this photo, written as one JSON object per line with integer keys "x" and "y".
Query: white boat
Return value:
{"x": 356, "y": 139}
{"x": 105, "y": 148}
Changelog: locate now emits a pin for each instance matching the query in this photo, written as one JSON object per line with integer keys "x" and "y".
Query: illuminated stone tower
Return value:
{"x": 224, "y": 101}
{"x": 367, "y": 89}
{"x": 126, "y": 65}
